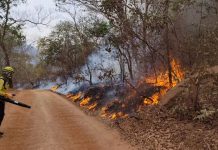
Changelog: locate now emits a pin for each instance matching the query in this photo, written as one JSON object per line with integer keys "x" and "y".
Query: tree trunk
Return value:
{"x": 129, "y": 64}
{"x": 122, "y": 69}
{"x": 169, "y": 67}
{"x": 6, "y": 58}
{"x": 4, "y": 33}
{"x": 90, "y": 74}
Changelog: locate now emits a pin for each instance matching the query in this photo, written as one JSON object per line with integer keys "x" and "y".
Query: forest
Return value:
{"x": 121, "y": 58}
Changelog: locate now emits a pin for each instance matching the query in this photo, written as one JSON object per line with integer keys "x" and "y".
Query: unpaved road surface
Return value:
{"x": 54, "y": 123}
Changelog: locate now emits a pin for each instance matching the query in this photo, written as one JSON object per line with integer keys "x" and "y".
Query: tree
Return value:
{"x": 146, "y": 34}
{"x": 67, "y": 48}
{"x": 10, "y": 29}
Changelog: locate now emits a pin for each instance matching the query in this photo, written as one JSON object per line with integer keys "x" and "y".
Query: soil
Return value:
{"x": 54, "y": 123}
{"x": 154, "y": 129}
{"x": 175, "y": 124}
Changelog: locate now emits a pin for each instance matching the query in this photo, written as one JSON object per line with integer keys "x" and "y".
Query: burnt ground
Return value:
{"x": 178, "y": 123}
{"x": 154, "y": 129}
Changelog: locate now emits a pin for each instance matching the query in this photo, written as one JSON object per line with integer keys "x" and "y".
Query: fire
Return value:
{"x": 118, "y": 115}
{"x": 85, "y": 101}
{"x": 69, "y": 95}
{"x": 91, "y": 107}
{"x": 54, "y": 88}
{"x": 112, "y": 116}
{"x": 103, "y": 112}
{"x": 162, "y": 81}
{"x": 132, "y": 101}
{"x": 76, "y": 97}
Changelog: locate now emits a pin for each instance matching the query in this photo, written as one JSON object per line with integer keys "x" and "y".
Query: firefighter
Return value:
{"x": 6, "y": 77}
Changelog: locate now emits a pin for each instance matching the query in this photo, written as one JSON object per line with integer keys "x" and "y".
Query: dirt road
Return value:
{"x": 54, "y": 123}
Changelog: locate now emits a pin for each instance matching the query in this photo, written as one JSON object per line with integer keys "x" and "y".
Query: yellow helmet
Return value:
{"x": 8, "y": 69}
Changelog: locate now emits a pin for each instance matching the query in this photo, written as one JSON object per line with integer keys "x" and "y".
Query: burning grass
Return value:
{"x": 54, "y": 88}
{"x": 75, "y": 97}
{"x": 162, "y": 80}
{"x": 127, "y": 99}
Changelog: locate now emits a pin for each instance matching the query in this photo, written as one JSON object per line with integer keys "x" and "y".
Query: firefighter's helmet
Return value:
{"x": 8, "y": 69}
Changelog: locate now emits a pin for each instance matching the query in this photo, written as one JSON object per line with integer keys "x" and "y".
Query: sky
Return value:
{"x": 30, "y": 10}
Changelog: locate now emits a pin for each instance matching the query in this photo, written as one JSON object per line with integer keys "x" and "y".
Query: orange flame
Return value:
{"x": 54, "y": 88}
{"x": 162, "y": 80}
{"x": 85, "y": 101}
{"x": 76, "y": 97}
{"x": 69, "y": 95}
{"x": 113, "y": 116}
{"x": 91, "y": 107}
{"x": 118, "y": 115}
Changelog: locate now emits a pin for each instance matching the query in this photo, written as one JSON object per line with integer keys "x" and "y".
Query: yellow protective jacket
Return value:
{"x": 3, "y": 86}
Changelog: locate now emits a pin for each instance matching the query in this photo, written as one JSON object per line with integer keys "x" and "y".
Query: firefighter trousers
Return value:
{"x": 2, "y": 111}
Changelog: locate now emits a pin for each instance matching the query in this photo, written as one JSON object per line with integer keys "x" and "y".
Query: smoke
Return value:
{"x": 100, "y": 62}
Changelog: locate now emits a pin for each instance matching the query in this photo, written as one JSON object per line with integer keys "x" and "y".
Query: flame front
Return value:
{"x": 162, "y": 80}
{"x": 85, "y": 101}
{"x": 121, "y": 108}
{"x": 54, "y": 88}
{"x": 118, "y": 115}
{"x": 76, "y": 97}
{"x": 91, "y": 107}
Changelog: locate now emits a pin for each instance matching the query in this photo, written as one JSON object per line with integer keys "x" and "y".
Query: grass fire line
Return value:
{"x": 161, "y": 80}
{"x": 119, "y": 108}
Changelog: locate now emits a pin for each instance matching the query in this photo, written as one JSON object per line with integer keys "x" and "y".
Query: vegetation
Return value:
{"x": 14, "y": 50}
{"x": 148, "y": 34}
{"x": 138, "y": 52}
{"x": 143, "y": 37}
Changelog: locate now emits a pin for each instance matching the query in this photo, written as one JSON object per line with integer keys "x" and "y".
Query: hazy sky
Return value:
{"x": 30, "y": 10}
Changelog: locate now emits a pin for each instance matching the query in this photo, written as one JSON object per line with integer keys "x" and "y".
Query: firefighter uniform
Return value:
{"x": 3, "y": 87}
{"x": 7, "y": 73}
